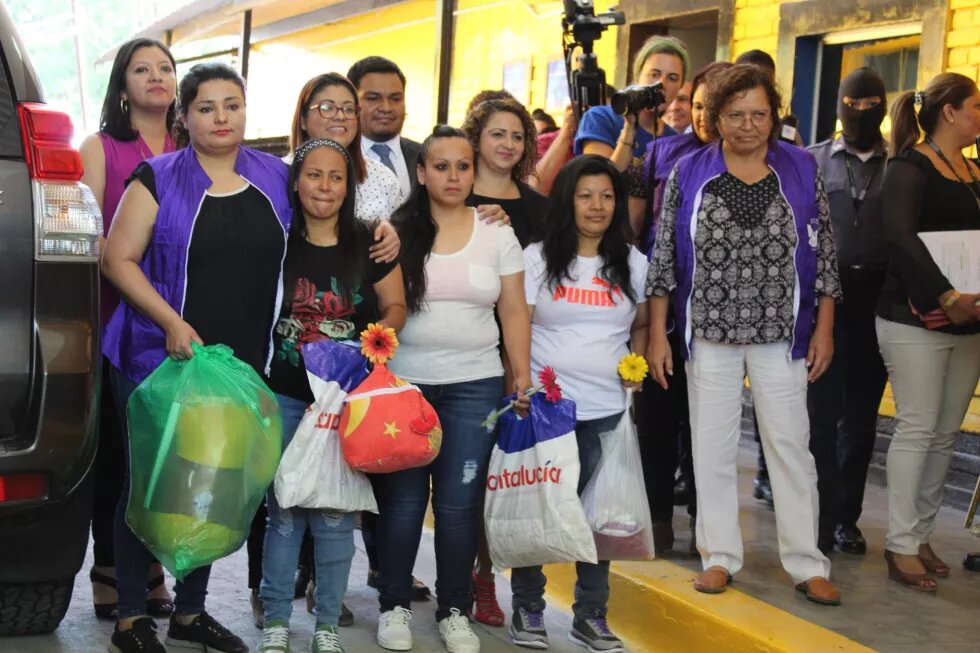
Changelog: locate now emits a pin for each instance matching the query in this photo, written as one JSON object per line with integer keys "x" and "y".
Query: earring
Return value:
{"x": 124, "y": 106}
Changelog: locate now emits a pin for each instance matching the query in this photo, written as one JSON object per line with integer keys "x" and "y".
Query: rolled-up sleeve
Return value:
{"x": 662, "y": 276}
{"x": 828, "y": 276}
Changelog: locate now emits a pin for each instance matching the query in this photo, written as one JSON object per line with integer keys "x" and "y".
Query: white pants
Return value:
{"x": 715, "y": 376}
{"x": 933, "y": 376}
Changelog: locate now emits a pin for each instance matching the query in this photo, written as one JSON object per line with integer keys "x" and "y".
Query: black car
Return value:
{"x": 50, "y": 230}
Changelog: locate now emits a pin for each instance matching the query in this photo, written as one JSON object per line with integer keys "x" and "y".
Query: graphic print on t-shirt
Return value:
{"x": 316, "y": 315}
{"x": 608, "y": 296}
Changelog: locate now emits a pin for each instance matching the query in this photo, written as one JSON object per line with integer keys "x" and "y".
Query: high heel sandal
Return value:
{"x": 104, "y": 610}
{"x": 920, "y": 582}
{"x": 486, "y": 608}
{"x": 158, "y": 608}
{"x": 934, "y": 565}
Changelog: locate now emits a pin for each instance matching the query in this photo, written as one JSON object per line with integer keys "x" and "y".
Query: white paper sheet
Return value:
{"x": 957, "y": 253}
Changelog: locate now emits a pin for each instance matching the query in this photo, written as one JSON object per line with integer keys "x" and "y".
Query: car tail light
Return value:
{"x": 68, "y": 223}
{"x": 21, "y": 487}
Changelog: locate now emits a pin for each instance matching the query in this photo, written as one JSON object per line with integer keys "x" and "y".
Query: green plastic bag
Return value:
{"x": 205, "y": 438}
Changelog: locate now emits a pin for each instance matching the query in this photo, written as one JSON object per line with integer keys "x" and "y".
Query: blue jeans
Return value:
{"x": 592, "y": 584}
{"x": 458, "y": 478}
{"x": 133, "y": 560}
{"x": 333, "y": 539}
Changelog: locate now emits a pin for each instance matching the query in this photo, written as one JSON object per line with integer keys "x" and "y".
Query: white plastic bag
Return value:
{"x": 615, "y": 498}
{"x": 532, "y": 511}
{"x": 312, "y": 472}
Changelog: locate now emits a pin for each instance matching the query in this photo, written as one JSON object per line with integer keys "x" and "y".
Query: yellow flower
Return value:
{"x": 378, "y": 343}
{"x": 633, "y": 368}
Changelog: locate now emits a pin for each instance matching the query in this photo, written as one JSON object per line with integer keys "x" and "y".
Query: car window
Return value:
{"x": 10, "y": 145}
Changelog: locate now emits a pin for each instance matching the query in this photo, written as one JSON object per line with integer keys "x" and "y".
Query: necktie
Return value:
{"x": 384, "y": 153}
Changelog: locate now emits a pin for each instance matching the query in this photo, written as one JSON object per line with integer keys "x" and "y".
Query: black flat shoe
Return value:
{"x": 204, "y": 633}
{"x": 850, "y": 540}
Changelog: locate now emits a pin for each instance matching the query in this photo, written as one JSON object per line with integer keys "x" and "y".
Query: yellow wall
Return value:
{"x": 756, "y": 26}
{"x": 404, "y": 33}
{"x": 523, "y": 32}
{"x": 963, "y": 38}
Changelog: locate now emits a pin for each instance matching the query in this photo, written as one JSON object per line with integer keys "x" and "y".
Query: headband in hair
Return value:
{"x": 304, "y": 150}
{"x": 919, "y": 98}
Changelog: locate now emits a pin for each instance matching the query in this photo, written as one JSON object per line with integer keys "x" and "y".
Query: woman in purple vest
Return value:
{"x": 137, "y": 116}
{"x": 745, "y": 251}
{"x": 662, "y": 414}
{"x": 196, "y": 250}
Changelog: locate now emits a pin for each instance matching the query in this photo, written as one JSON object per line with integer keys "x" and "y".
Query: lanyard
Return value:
{"x": 976, "y": 182}
{"x": 858, "y": 198}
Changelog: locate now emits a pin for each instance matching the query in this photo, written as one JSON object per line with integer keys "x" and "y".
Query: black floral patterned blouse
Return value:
{"x": 745, "y": 275}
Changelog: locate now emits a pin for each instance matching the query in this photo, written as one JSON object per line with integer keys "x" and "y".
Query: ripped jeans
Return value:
{"x": 333, "y": 540}
{"x": 458, "y": 476}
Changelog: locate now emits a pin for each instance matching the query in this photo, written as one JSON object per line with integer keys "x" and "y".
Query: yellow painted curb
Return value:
{"x": 654, "y": 607}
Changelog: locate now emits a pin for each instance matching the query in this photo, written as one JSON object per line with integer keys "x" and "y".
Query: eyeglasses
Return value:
{"x": 738, "y": 118}
{"x": 862, "y": 103}
{"x": 330, "y": 109}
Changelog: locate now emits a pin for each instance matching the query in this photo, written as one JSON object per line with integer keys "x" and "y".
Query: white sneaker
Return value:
{"x": 456, "y": 633}
{"x": 394, "y": 633}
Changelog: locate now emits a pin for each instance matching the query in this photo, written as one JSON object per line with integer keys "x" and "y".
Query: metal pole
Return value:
{"x": 246, "y": 42}
{"x": 446, "y": 37}
{"x": 81, "y": 67}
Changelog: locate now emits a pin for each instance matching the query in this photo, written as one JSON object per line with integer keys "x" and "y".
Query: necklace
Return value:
{"x": 976, "y": 182}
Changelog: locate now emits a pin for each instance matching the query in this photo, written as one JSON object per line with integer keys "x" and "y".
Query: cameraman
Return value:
{"x": 602, "y": 132}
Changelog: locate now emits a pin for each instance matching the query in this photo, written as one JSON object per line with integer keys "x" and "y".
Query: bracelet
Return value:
{"x": 952, "y": 299}
{"x": 632, "y": 145}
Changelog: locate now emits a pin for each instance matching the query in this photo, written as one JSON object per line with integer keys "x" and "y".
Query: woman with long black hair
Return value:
{"x": 329, "y": 274}
{"x": 137, "y": 117}
{"x": 456, "y": 269}
{"x": 584, "y": 284}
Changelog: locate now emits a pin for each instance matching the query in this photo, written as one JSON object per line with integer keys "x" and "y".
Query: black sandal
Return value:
{"x": 104, "y": 610}
{"x": 158, "y": 608}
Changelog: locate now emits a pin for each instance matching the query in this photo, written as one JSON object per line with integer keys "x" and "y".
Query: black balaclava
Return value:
{"x": 861, "y": 129}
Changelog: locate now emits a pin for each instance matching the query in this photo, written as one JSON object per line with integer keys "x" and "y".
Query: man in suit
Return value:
{"x": 380, "y": 86}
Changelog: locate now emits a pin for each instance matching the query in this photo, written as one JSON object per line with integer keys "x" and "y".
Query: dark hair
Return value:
{"x": 759, "y": 58}
{"x": 739, "y": 79}
{"x": 368, "y": 65}
{"x": 476, "y": 121}
{"x": 298, "y": 135}
{"x": 560, "y": 244}
{"x": 416, "y": 227}
{"x": 113, "y": 120}
{"x": 707, "y": 71}
{"x": 352, "y": 234}
{"x": 545, "y": 117}
{"x": 486, "y": 95}
{"x": 191, "y": 84}
{"x": 945, "y": 88}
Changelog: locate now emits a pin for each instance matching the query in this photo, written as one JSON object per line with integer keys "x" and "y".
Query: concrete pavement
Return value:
{"x": 81, "y": 632}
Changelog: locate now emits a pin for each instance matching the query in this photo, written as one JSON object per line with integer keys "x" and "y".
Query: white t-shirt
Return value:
{"x": 581, "y": 328}
{"x": 454, "y": 337}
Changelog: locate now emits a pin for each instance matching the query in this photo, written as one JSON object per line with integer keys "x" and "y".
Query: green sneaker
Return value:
{"x": 275, "y": 638}
{"x": 325, "y": 640}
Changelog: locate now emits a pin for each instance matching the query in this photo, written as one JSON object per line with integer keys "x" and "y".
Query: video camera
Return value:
{"x": 582, "y": 27}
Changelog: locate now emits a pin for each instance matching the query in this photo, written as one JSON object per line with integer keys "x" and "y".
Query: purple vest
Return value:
{"x": 133, "y": 342}
{"x": 663, "y": 153}
{"x": 796, "y": 170}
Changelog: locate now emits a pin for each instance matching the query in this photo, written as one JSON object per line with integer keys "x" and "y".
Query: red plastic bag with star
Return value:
{"x": 386, "y": 424}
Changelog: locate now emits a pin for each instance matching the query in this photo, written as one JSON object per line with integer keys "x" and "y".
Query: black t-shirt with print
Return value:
{"x": 316, "y": 310}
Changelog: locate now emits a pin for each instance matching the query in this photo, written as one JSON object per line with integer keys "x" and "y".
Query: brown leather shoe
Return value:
{"x": 713, "y": 580}
{"x": 820, "y": 590}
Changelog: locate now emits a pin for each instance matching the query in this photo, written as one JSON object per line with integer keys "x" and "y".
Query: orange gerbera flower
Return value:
{"x": 378, "y": 343}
